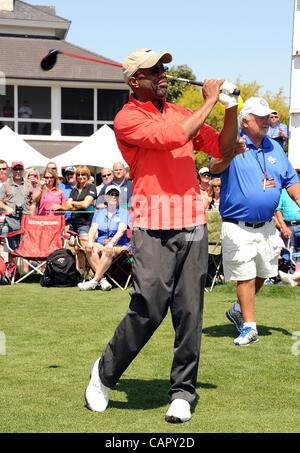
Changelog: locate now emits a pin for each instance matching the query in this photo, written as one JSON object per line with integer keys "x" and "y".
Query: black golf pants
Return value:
{"x": 169, "y": 270}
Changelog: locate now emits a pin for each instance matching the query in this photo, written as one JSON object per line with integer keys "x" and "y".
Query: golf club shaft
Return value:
{"x": 180, "y": 79}
{"x": 91, "y": 59}
{"x": 195, "y": 82}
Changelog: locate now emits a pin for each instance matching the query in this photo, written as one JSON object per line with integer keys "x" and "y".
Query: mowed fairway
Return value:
{"x": 53, "y": 335}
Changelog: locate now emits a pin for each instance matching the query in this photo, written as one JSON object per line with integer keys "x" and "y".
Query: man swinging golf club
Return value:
{"x": 169, "y": 238}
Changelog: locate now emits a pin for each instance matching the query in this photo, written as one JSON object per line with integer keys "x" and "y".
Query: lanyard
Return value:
{"x": 264, "y": 170}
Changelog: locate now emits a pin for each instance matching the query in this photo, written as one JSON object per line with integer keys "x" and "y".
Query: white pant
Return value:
{"x": 250, "y": 252}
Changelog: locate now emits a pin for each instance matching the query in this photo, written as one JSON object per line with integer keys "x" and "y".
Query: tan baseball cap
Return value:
{"x": 142, "y": 59}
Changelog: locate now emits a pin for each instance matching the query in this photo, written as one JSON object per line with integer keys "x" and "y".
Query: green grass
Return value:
{"x": 53, "y": 336}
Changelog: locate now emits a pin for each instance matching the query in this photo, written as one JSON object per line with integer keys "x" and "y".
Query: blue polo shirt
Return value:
{"x": 108, "y": 228}
{"x": 273, "y": 132}
{"x": 288, "y": 207}
{"x": 242, "y": 195}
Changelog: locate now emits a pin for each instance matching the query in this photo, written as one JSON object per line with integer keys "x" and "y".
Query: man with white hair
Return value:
{"x": 250, "y": 191}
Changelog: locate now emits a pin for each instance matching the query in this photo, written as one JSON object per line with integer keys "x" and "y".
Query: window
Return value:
{"x": 77, "y": 104}
{"x": 84, "y": 110}
{"x": 34, "y": 103}
{"x": 7, "y": 107}
{"x": 110, "y": 102}
{"x": 76, "y": 111}
{"x": 79, "y": 130}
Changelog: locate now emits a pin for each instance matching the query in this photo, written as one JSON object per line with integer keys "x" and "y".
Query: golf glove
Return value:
{"x": 226, "y": 97}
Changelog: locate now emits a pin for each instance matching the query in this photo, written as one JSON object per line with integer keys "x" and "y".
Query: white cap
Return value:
{"x": 70, "y": 169}
{"x": 112, "y": 187}
{"x": 203, "y": 170}
{"x": 257, "y": 106}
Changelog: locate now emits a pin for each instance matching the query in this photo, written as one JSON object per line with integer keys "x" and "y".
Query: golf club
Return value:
{"x": 50, "y": 59}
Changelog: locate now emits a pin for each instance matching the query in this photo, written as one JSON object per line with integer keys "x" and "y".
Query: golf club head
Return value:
{"x": 49, "y": 60}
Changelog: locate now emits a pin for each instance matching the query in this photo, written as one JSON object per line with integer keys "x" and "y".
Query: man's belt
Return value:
{"x": 247, "y": 224}
{"x": 293, "y": 222}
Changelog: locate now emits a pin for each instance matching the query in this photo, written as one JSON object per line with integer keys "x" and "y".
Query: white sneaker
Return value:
{"x": 89, "y": 284}
{"x": 247, "y": 336}
{"x": 286, "y": 278}
{"x": 105, "y": 285}
{"x": 96, "y": 394}
{"x": 179, "y": 411}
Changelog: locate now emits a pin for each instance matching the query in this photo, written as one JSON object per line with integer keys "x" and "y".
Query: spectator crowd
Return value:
{"x": 72, "y": 194}
{"x": 86, "y": 203}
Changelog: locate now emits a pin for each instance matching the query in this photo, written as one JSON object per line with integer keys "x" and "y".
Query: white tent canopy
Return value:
{"x": 13, "y": 148}
{"x": 98, "y": 150}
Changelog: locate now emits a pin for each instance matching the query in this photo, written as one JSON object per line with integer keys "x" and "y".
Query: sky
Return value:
{"x": 230, "y": 39}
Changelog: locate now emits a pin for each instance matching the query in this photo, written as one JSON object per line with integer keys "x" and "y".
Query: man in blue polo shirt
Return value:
{"x": 278, "y": 131}
{"x": 251, "y": 185}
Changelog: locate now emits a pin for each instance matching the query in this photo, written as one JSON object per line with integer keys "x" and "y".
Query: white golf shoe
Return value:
{"x": 179, "y": 411}
{"x": 96, "y": 394}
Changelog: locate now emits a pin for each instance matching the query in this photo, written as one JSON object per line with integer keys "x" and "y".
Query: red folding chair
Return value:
{"x": 41, "y": 235}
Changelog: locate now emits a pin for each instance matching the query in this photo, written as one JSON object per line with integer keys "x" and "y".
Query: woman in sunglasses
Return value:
{"x": 214, "y": 194}
{"x": 106, "y": 239}
{"x": 47, "y": 194}
{"x": 81, "y": 205}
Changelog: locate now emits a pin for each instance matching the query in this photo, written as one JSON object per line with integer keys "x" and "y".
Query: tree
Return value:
{"x": 177, "y": 89}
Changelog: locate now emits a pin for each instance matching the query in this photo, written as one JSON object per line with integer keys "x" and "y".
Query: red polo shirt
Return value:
{"x": 159, "y": 153}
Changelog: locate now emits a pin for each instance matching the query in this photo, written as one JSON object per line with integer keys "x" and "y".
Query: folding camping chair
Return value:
{"x": 41, "y": 235}
{"x": 215, "y": 267}
{"x": 119, "y": 272}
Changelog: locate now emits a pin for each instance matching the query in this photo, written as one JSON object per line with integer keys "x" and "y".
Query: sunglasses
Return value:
{"x": 217, "y": 185}
{"x": 69, "y": 174}
{"x": 49, "y": 177}
{"x": 272, "y": 117}
{"x": 155, "y": 70}
{"x": 18, "y": 169}
{"x": 3, "y": 169}
{"x": 81, "y": 174}
{"x": 113, "y": 194}
{"x": 204, "y": 174}
{"x": 106, "y": 176}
